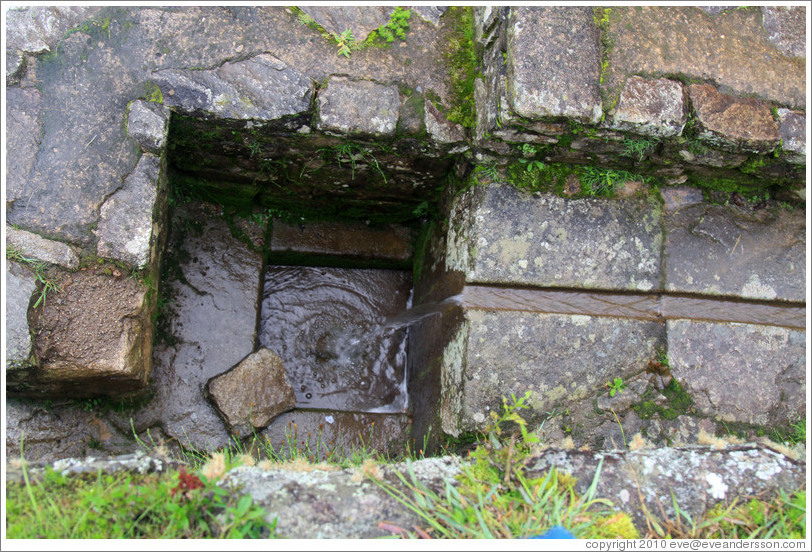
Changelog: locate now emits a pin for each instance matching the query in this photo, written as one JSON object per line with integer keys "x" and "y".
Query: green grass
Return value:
{"x": 39, "y": 268}
{"x": 128, "y": 506}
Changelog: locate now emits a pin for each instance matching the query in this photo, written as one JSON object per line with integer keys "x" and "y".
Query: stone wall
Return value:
{"x": 118, "y": 115}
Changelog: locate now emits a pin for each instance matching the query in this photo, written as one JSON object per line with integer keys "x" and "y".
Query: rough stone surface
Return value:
{"x": 23, "y": 137}
{"x": 126, "y": 218}
{"x": 94, "y": 336}
{"x": 212, "y": 324}
{"x": 652, "y": 107}
{"x": 147, "y": 124}
{"x": 697, "y": 477}
{"x": 743, "y": 123}
{"x": 740, "y": 372}
{"x": 262, "y": 87}
{"x": 20, "y": 286}
{"x": 518, "y": 238}
{"x": 361, "y": 20}
{"x": 793, "y": 135}
{"x": 358, "y": 107}
{"x": 553, "y": 63}
{"x": 253, "y": 393}
{"x": 561, "y": 359}
{"x": 786, "y": 28}
{"x": 725, "y": 250}
{"x": 677, "y": 197}
{"x": 430, "y": 14}
{"x": 728, "y": 49}
{"x": 441, "y": 130}
{"x": 34, "y": 246}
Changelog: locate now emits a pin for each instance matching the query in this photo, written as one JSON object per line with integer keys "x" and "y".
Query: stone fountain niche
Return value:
{"x": 302, "y": 244}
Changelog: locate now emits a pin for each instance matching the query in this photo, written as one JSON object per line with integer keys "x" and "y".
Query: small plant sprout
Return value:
{"x": 615, "y": 385}
{"x": 344, "y": 42}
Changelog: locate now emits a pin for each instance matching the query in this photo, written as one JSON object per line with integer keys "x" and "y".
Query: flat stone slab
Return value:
{"x": 512, "y": 237}
{"x": 94, "y": 335}
{"x": 724, "y": 250}
{"x": 126, "y": 219}
{"x": 360, "y": 20}
{"x": 786, "y": 28}
{"x": 738, "y": 123}
{"x": 793, "y": 135}
{"x": 729, "y": 49}
{"x": 211, "y": 322}
{"x": 23, "y": 128}
{"x": 148, "y": 124}
{"x": 20, "y": 286}
{"x": 652, "y": 107}
{"x": 358, "y": 107}
{"x": 34, "y": 246}
{"x": 740, "y": 372}
{"x": 329, "y": 327}
{"x": 561, "y": 359}
{"x": 251, "y": 394}
{"x": 553, "y": 63}
{"x": 262, "y": 87}
{"x": 391, "y": 242}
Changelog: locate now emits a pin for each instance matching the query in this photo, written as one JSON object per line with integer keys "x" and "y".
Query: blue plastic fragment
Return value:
{"x": 555, "y": 532}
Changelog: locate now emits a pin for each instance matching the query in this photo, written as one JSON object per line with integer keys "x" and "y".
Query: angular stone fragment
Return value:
{"x": 725, "y": 120}
{"x": 148, "y": 124}
{"x": 361, "y": 20}
{"x": 553, "y": 63}
{"x": 441, "y": 129}
{"x": 94, "y": 336}
{"x": 740, "y": 372}
{"x": 786, "y": 28}
{"x": 511, "y": 237}
{"x": 561, "y": 359}
{"x": 262, "y": 87}
{"x": 793, "y": 135}
{"x": 429, "y": 14}
{"x": 652, "y": 107}
{"x": 34, "y": 246}
{"x": 358, "y": 107}
{"x": 253, "y": 393}
{"x": 20, "y": 286}
{"x": 126, "y": 218}
{"x": 23, "y": 129}
{"x": 723, "y": 250}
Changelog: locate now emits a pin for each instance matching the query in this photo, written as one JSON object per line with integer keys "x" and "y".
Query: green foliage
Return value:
{"x": 39, "y": 268}
{"x": 679, "y": 402}
{"x": 639, "y": 147}
{"x": 462, "y": 63}
{"x": 352, "y": 154}
{"x": 488, "y": 171}
{"x": 344, "y": 42}
{"x": 597, "y": 181}
{"x": 396, "y": 28}
{"x": 130, "y": 506}
{"x": 615, "y": 385}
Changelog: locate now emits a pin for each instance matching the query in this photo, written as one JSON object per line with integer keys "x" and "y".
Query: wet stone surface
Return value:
{"x": 726, "y": 250}
{"x": 327, "y": 325}
{"x": 21, "y": 284}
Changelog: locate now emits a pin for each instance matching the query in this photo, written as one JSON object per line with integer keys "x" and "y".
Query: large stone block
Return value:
{"x": 358, "y": 107}
{"x": 148, "y": 124}
{"x": 262, "y": 87}
{"x": 561, "y": 359}
{"x": 511, "y": 237}
{"x": 738, "y": 123}
{"x": 20, "y": 286}
{"x": 553, "y": 63}
{"x": 724, "y": 250}
{"x": 793, "y": 135}
{"x": 359, "y": 20}
{"x": 740, "y": 372}
{"x": 23, "y": 128}
{"x": 652, "y": 107}
{"x": 93, "y": 335}
{"x": 34, "y": 246}
{"x": 786, "y": 28}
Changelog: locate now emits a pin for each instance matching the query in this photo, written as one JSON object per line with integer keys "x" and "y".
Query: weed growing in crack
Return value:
{"x": 39, "y": 268}
{"x": 639, "y": 148}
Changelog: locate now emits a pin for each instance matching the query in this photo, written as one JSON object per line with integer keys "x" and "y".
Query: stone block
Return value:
{"x": 20, "y": 286}
{"x": 93, "y": 335}
{"x": 511, "y": 237}
{"x": 738, "y": 123}
{"x": 34, "y": 246}
{"x": 391, "y": 242}
{"x": 358, "y": 107}
{"x": 253, "y": 393}
{"x": 148, "y": 124}
{"x": 793, "y": 135}
{"x": 211, "y": 316}
{"x": 553, "y": 63}
{"x": 561, "y": 359}
{"x": 651, "y": 107}
{"x": 23, "y": 130}
{"x": 786, "y": 28}
{"x": 441, "y": 130}
{"x": 262, "y": 88}
{"x": 740, "y": 372}
{"x": 360, "y": 20}
{"x": 727, "y": 251}
{"x": 126, "y": 231}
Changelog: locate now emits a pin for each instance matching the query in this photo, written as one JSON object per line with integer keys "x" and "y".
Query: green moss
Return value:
{"x": 462, "y": 64}
{"x": 421, "y": 249}
{"x": 679, "y": 403}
